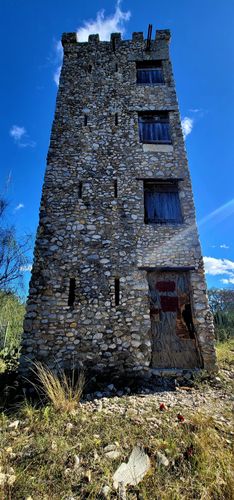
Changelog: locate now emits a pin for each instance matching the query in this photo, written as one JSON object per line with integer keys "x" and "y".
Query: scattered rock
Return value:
{"x": 14, "y": 425}
{"x": 111, "y": 451}
{"x": 132, "y": 473}
{"x": 162, "y": 459}
{"x": 76, "y": 461}
{"x": 105, "y": 491}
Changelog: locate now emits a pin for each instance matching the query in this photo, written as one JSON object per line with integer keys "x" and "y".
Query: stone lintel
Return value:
{"x": 162, "y": 148}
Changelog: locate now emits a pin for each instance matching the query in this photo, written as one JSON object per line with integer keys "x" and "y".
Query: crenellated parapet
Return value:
{"x": 116, "y": 38}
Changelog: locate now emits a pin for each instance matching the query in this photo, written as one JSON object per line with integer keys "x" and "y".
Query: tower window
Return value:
{"x": 115, "y": 188}
{"x": 85, "y": 120}
{"x": 80, "y": 190}
{"x": 154, "y": 127}
{"x": 116, "y": 119}
{"x": 117, "y": 291}
{"x": 149, "y": 72}
{"x": 89, "y": 68}
{"x": 162, "y": 203}
{"x": 116, "y": 68}
{"x": 72, "y": 289}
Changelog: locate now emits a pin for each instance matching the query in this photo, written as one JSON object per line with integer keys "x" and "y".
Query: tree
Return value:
{"x": 222, "y": 306}
{"x": 13, "y": 253}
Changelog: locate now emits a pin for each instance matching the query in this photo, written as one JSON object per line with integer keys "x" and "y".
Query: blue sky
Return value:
{"x": 202, "y": 56}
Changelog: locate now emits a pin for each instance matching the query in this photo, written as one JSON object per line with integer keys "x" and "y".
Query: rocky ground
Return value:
{"x": 213, "y": 399}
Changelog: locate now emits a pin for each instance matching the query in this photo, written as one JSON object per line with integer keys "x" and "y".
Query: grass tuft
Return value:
{"x": 63, "y": 391}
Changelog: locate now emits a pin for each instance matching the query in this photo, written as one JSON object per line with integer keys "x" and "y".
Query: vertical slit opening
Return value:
{"x": 72, "y": 289}
{"x": 115, "y": 188}
{"x": 80, "y": 189}
{"x": 113, "y": 44}
{"x": 116, "y": 68}
{"x": 89, "y": 68}
{"x": 116, "y": 119}
{"x": 117, "y": 290}
{"x": 85, "y": 120}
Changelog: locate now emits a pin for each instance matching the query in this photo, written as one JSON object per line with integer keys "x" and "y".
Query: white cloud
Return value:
{"x": 102, "y": 25}
{"x": 187, "y": 126}
{"x": 17, "y": 132}
{"x": 229, "y": 281}
{"x": 57, "y": 75}
{"x": 224, "y": 246}
{"x": 217, "y": 267}
{"x": 18, "y": 207}
{"x": 58, "y": 60}
{"x": 27, "y": 267}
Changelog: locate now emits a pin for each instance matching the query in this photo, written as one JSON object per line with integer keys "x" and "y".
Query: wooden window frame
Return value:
{"x": 162, "y": 187}
{"x": 149, "y": 66}
{"x": 154, "y": 117}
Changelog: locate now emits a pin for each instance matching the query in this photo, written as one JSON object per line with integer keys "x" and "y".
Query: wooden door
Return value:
{"x": 173, "y": 334}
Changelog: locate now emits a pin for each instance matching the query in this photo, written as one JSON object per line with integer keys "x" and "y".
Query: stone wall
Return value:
{"x": 98, "y": 237}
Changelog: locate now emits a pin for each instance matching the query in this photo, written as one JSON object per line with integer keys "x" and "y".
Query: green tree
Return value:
{"x": 222, "y": 306}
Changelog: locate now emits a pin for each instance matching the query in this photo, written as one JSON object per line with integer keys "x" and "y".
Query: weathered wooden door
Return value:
{"x": 173, "y": 335}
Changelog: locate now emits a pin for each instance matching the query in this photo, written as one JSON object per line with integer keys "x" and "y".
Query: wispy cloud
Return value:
{"x": 195, "y": 110}
{"x": 21, "y": 137}
{"x": 228, "y": 281}
{"x": 27, "y": 267}
{"x": 57, "y": 75}
{"x": 187, "y": 126}
{"x": 17, "y": 132}
{"x": 102, "y": 24}
{"x": 224, "y": 246}
{"x": 216, "y": 267}
{"x": 58, "y": 61}
{"x": 18, "y": 207}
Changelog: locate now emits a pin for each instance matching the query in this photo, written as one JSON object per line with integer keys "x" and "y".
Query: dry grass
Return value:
{"x": 41, "y": 454}
{"x": 55, "y": 453}
{"x": 225, "y": 354}
{"x": 62, "y": 391}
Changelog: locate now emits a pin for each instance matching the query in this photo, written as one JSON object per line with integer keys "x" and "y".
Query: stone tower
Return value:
{"x": 118, "y": 280}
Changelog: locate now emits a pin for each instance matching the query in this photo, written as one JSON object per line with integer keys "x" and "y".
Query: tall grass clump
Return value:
{"x": 62, "y": 390}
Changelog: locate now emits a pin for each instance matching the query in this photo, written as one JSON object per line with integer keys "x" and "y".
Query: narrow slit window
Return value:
{"x": 89, "y": 68}
{"x": 116, "y": 68}
{"x": 72, "y": 290}
{"x": 80, "y": 190}
{"x": 113, "y": 44}
{"x": 85, "y": 120}
{"x": 117, "y": 291}
{"x": 115, "y": 188}
{"x": 116, "y": 119}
